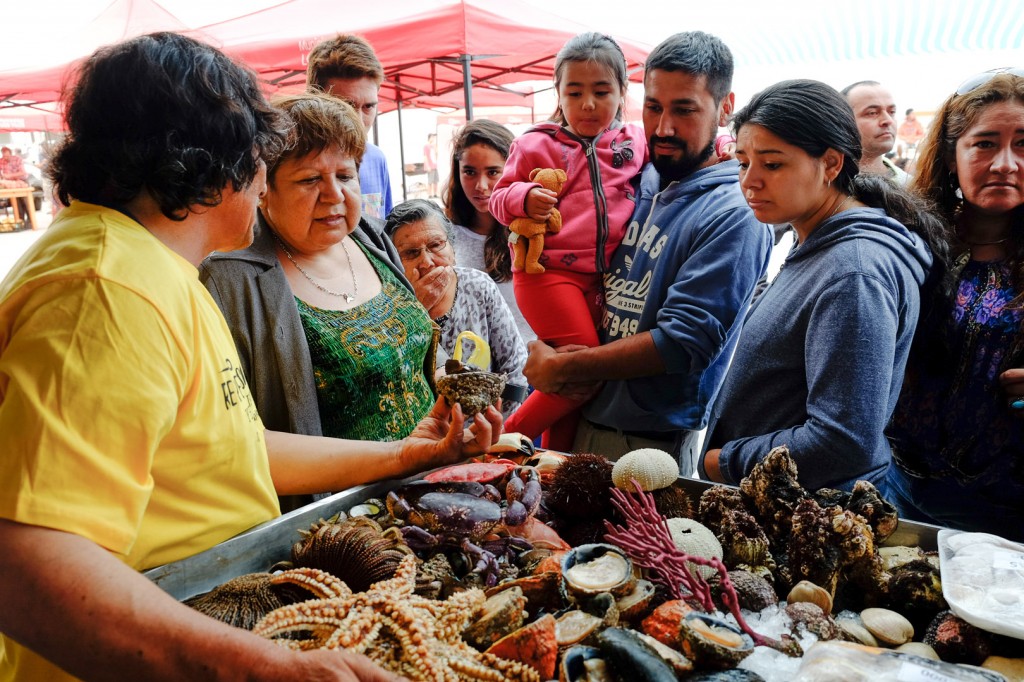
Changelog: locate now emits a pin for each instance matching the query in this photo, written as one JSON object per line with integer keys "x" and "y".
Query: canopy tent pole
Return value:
{"x": 467, "y": 85}
{"x": 401, "y": 139}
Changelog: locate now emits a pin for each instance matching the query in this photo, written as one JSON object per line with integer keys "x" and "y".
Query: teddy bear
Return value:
{"x": 527, "y": 234}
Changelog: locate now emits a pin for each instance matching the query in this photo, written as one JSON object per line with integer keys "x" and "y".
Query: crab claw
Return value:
{"x": 513, "y": 444}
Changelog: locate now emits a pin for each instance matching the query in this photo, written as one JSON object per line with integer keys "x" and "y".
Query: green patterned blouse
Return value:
{"x": 368, "y": 362}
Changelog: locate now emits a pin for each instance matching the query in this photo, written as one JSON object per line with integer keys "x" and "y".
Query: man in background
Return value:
{"x": 875, "y": 110}
{"x": 347, "y": 67}
{"x": 910, "y": 133}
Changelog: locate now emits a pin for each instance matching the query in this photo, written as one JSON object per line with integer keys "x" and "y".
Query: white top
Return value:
{"x": 469, "y": 253}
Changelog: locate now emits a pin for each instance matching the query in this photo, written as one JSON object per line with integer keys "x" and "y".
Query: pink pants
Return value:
{"x": 563, "y": 308}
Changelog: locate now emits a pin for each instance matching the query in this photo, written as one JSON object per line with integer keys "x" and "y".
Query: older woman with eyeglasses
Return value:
{"x": 958, "y": 430}
{"x": 458, "y": 299}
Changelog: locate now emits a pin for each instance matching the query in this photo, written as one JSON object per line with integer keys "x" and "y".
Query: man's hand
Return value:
{"x": 711, "y": 467}
{"x": 341, "y": 666}
{"x": 440, "y": 439}
{"x": 544, "y": 372}
{"x": 1012, "y": 381}
{"x": 540, "y": 203}
{"x": 431, "y": 286}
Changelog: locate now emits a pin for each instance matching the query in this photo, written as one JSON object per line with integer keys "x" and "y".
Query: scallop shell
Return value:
{"x": 652, "y": 469}
{"x": 887, "y": 626}
{"x": 356, "y": 550}
{"x": 474, "y": 390}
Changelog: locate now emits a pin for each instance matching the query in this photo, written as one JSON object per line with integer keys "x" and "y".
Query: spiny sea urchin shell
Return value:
{"x": 355, "y": 550}
{"x": 651, "y": 468}
{"x": 580, "y": 487}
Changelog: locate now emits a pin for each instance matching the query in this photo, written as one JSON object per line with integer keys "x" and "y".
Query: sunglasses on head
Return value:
{"x": 980, "y": 79}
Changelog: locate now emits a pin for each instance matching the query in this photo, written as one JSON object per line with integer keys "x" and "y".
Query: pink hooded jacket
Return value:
{"x": 597, "y": 200}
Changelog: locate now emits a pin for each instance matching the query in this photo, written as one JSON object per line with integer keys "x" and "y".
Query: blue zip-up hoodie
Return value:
{"x": 820, "y": 364}
{"x": 685, "y": 272}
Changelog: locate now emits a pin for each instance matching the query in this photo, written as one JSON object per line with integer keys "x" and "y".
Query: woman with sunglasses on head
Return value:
{"x": 470, "y": 300}
{"x": 820, "y": 361}
{"x": 958, "y": 430}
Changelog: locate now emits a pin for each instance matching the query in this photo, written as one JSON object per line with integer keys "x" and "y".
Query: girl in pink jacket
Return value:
{"x": 602, "y": 159}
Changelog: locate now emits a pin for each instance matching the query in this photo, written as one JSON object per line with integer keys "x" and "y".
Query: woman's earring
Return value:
{"x": 828, "y": 184}
{"x": 954, "y": 183}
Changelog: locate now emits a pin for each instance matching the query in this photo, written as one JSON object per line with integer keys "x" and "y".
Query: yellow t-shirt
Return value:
{"x": 124, "y": 416}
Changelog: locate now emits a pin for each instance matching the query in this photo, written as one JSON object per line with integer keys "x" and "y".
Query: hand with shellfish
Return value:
{"x": 440, "y": 437}
{"x": 1012, "y": 383}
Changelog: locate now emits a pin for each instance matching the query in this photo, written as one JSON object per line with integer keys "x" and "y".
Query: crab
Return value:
{"x": 466, "y": 516}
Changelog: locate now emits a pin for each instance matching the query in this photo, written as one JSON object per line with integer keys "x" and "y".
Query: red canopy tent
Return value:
{"x": 121, "y": 19}
{"x": 429, "y": 49}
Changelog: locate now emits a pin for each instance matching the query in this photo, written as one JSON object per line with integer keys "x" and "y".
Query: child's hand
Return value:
{"x": 540, "y": 203}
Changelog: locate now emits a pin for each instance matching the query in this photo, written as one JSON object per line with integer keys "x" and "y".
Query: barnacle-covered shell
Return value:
{"x": 712, "y": 643}
{"x": 880, "y": 514}
{"x": 651, "y": 468}
{"x": 814, "y": 620}
{"x": 753, "y": 592}
{"x": 474, "y": 390}
{"x": 356, "y": 550}
{"x": 887, "y": 626}
{"x": 696, "y": 539}
{"x": 244, "y": 600}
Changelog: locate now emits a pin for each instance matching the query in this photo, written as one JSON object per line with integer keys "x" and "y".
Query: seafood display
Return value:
{"x": 571, "y": 570}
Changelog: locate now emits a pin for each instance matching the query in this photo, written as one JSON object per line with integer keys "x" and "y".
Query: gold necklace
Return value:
{"x": 340, "y": 294}
{"x": 839, "y": 207}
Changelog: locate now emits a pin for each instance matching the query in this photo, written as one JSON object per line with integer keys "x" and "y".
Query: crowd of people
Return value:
{"x": 229, "y": 316}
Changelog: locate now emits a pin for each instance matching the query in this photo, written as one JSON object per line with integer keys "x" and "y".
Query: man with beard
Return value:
{"x": 680, "y": 282}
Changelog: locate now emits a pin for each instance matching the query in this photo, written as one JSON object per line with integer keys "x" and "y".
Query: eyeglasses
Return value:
{"x": 435, "y": 247}
{"x": 980, "y": 79}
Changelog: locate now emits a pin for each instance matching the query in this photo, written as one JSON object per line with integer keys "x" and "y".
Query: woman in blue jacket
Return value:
{"x": 820, "y": 359}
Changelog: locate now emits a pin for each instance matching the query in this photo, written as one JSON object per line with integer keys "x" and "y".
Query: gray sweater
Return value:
{"x": 820, "y": 359}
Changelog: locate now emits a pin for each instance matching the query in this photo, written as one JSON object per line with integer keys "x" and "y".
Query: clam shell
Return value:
{"x": 806, "y": 591}
{"x": 473, "y": 390}
{"x": 918, "y": 649}
{"x": 651, "y": 468}
{"x": 887, "y": 626}
{"x": 854, "y": 631}
{"x": 588, "y": 570}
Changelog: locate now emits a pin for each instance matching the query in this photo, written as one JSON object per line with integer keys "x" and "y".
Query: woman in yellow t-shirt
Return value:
{"x": 128, "y": 431}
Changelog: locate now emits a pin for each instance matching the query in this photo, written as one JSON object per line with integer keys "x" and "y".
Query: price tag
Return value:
{"x": 912, "y": 672}
{"x": 1010, "y": 561}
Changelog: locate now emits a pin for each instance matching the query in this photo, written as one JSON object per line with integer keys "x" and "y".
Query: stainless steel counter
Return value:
{"x": 259, "y": 548}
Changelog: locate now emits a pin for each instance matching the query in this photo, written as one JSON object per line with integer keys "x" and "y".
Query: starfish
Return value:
{"x": 413, "y": 636}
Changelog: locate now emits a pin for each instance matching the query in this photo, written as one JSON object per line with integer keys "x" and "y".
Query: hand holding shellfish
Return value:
{"x": 440, "y": 437}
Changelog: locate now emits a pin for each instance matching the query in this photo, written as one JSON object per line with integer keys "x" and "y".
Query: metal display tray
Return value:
{"x": 259, "y": 548}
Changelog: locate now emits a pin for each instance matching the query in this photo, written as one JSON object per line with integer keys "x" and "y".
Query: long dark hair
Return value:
{"x": 497, "y": 259}
{"x": 814, "y": 117}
